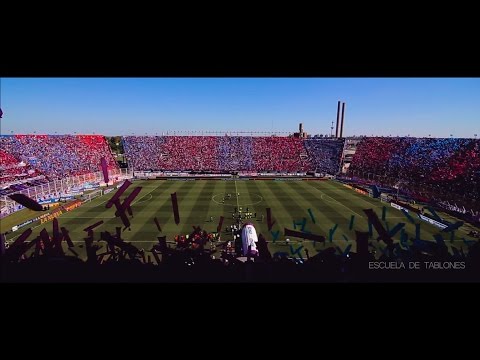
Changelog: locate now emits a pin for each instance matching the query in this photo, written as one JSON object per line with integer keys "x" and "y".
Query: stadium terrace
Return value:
{"x": 350, "y": 202}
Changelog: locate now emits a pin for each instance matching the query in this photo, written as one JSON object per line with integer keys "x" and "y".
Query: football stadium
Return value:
{"x": 239, "y": 208}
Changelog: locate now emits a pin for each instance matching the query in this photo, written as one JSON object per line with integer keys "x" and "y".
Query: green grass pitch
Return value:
{"x": 330, "y": 202}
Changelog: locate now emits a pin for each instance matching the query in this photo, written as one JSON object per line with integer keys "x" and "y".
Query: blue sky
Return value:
{"x": 120, "y": 106}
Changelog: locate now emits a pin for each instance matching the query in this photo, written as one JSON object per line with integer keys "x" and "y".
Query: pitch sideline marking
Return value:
{"x": 139, "y": 201}
{"x": 134, "y": 202}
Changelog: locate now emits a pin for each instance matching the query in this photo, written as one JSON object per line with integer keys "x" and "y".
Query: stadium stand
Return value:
{"x": 59, "y": 156}
{"x": 12, "y": 168}
{"x": 280, "y": 154}
{"x": 143, "y": 152}
{"x": 197, "y": 153}
{"x": 325, "y": 154}
{"x": 55, "y": 156}
{"x": 439, "y": 169}
{"x": 235, "y": 153}
{"x": 443, "y": 168}
{"x": 229, "y": 153}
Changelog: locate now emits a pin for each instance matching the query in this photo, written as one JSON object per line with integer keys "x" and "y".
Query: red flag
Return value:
{"x": 175, "y": 207}
{"x": 93, "y": 226}
{"x": 26, "y": 201}
{"x": 303, "y": 235}
{"x": 119, "y": 193}
{"x": 129, "y": 200}
{"x": 220, "y": 222}
{"x": 129, "y": 210}
{"x": 269, "y": 219}
{"x": 67, "y": 237}
{"x": 104, "y": 165}
{"x": 157, "y": 223}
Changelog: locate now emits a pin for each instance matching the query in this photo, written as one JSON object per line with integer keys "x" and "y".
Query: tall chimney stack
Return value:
{"x": 300, "y": 129}
{"x": 343, "y": 118}
{"x": 338, "y": 119}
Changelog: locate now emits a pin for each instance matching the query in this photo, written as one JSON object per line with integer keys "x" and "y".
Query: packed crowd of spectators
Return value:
{"x": 7, "y": 160}
{"x": 15, "y": 173}
{"x": 197, "y": 153}
{"x": 326, "y": 154}
{"x": 447, "y": 169}
{"x": 280, "y": 154}
{"x": 143, "y": 152}
{"x": 55, "y": 156}
{"x": 12, "y": 168}
{"x": 233, "y": 153}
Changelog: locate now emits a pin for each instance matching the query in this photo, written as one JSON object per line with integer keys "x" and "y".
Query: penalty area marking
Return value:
{"x": 134, "y": 202}
{"x": 336, "y": 201}
{"x": 94, "y": 206}
{"x": 238, "y": 205}
{"x": 139, "y": 201}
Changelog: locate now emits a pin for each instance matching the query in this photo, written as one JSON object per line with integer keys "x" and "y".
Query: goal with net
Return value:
{"x": 86, "y": 197}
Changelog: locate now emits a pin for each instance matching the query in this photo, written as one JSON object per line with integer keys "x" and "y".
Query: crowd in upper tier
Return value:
{"x": 325, "y": 154}
{"x": 445, "y": 166}
{"x": 442, "y": 166}
{"x": 233, "y": 153}
{"x": 55, "y": 156}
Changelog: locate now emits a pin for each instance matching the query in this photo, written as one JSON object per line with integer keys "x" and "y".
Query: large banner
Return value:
{"x": 57, "y": 212}
{"x": 49, "y": 216}
{"x": 73, "y": 193}
{"x": 360, "y": 191}
{"x": 431, "y": 221}
{"x": 67, "y": 197}
{"x": 398, "y": 207}
{"x": 90, "y": 185}
{"x": 106, "y": 191}
{"x": 49, "y": 201}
